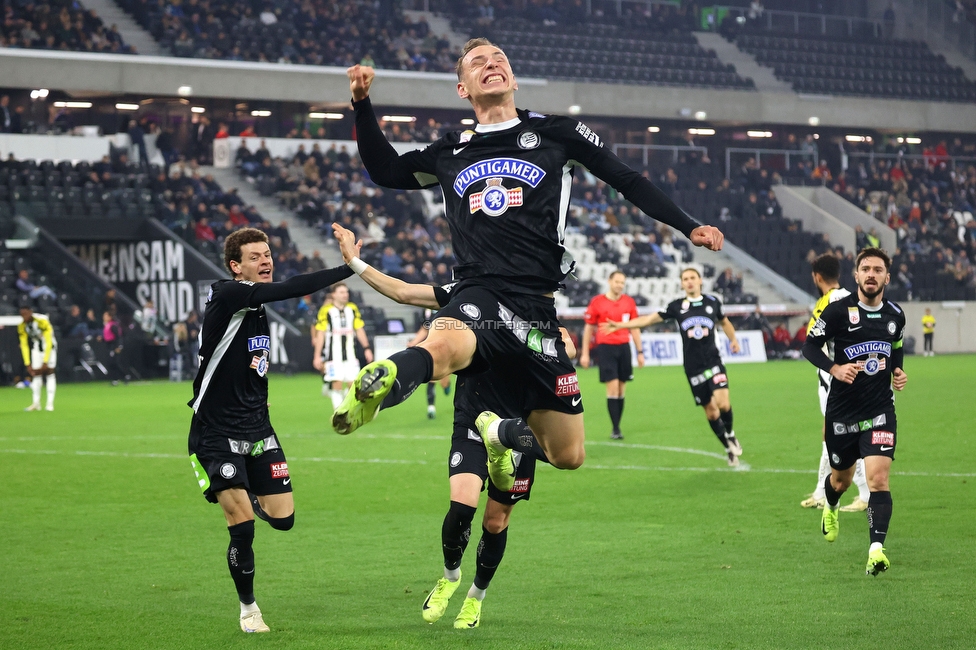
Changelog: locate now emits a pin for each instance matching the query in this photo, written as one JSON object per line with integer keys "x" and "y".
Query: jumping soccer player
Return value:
{"x": 697, "y": 315}
{"x": 40, "y": 351}
{"x": 334, "y": 347}
{"x": 467, "y": 462}
{"x": 867, "y": 332}
{"x": 506, "y": 186}
{"x": 233, "y": 448}
{"x": 826, "y": 275}
{"x": 612, "y": 350}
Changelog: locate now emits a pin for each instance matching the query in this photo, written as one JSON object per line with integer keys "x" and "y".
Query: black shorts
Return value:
{"x": 468, "y": 456}
{"x": 848, "y": 441}
{"x": 518, "y": 338}
{"x": 255, "y": 462}
{"x": 705, "y": 382}
{"x": 614, "y": 362}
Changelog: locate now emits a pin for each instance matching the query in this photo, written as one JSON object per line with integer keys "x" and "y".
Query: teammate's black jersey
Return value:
{"x": 871, "y": 337}
{"x": 697, "y": 320}
{"x": 230, "y": 392}
{"x": 507, "y": 189}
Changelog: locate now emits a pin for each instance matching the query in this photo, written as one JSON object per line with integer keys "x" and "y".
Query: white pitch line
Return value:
{"x": 745, "y": 467}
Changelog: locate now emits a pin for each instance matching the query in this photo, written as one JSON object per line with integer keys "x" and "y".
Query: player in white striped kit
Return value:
{"x": 339, "y": 323}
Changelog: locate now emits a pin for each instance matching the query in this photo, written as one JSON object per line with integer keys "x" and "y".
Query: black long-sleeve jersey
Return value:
{"x": 230, "y": 392}
{"x": 697, "y": 320}
{"x": 872, "y": 338}
{"x": 506, "y": 191}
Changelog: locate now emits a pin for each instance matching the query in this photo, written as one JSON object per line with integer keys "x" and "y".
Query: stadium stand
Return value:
{"x": 895, "y": 69}
{"x": 314, "y": 33}
{"x": 58, "y": 25}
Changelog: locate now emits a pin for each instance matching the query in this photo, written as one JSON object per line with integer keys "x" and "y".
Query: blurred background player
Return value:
{"x": 697, "y": 315}
{"x": 928, "y": 332}
{"x": 40, "y": 351}
{"x": 337, "y": 327}
{"x": 445, "y": 382}
{"x": 612, "y": 349}
{"x": 826, "y": 275}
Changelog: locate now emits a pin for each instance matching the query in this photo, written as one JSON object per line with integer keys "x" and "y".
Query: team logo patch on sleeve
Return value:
{"x": 567, "y": 385}
{"x": 495, "y": 199}
{"x": 260, "y": 365}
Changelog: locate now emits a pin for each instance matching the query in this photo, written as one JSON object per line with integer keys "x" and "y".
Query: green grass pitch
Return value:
{"x": 654, "y": 543}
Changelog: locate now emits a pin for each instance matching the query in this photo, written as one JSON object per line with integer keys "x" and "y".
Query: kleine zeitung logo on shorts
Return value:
{"x": 567, "y": 385}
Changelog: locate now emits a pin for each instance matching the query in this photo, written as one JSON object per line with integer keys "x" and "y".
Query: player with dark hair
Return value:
{"x": 233, "y": 448}
{"x": 506, "y": 185}
{"x": 826, "y": 276}
{"x": 867, "y": 332}
{"x": 612, "y": 349}
{"x": 467, "y": 462}
{"x": 39, "y": 348}
{"x": 697, "y": 315}
{"x": 337, "y": 328}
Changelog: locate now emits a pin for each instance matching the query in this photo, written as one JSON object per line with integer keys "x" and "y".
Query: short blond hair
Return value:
{"x": 470, "y": 45}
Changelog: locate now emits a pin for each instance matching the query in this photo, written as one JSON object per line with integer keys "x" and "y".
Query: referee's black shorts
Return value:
{"x": 519, "y": 339}
{"x": 614, "y": 362}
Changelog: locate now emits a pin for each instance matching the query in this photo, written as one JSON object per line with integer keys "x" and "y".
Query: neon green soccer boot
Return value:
{"x": 830, "y": 523}
{"x": 877, "y": 561}
{"x": 363, "y": 400}
{"x": 437, "y": 600}
{"x": 501, "y": 465}
{"x": 470, "y": 615}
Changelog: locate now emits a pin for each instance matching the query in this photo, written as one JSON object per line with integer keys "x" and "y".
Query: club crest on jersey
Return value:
{"x": 514, "y": 168}
{"x": 892, "y": 328}
{"x": 529, "y": 140}
{"x": 471, "y": 311}
{"x": 495, "y": 200}
{"x": 260, "y": 364}
{"x": 853, "y": 315}
{"x": 697, "y": 327}
{"x": 872, "y": 365}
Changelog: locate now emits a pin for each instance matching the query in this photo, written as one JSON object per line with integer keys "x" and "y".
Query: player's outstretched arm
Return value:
{"x": 419, "y": 295}
{"x": 297, "y": 286}
{"x": 635, "y": 323}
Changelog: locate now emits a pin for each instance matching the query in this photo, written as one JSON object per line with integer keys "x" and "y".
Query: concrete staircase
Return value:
{"x": 306, "y": 239}
{"x": 131, "y": 32}
{"x": 745, "y": 64}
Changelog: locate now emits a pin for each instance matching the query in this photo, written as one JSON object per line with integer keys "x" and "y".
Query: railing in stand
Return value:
{"x": 645, "y": 148}
{"x": 789, "y": 154}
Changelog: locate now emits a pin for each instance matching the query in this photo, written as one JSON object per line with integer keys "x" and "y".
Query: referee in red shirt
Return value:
{"x": 612, "y": 351}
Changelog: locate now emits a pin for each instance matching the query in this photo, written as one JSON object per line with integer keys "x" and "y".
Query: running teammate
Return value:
{"x": 40, "y": 351}
{"x": 826, "y": 275}
{"x": 612, "y": 350}
{"x": 445, "y": 382}
{"x": 697, "y": 315}
{"x": 338, "y": 326}
{"x": 506, "y": 185}
{"x": 233, "y": 448}
{"x": 867, "y": 332}
{"x": 467, "y": 461}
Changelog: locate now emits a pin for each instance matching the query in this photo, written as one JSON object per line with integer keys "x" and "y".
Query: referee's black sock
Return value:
{"x": 415, "y": 366}
{"x": 491, "y": 549}
{"x": 615, "y": 405}
{"x": 431, "y": 393}
{"x": 833, "y": 497}
{"x": 240, "y": 559}
{"x": 455, "y": 533}
{"x": 516, "y": 434}
{"x": 718, "y": 428}
{"x": 879, "y": 515}
{"x": 727, "y": 420}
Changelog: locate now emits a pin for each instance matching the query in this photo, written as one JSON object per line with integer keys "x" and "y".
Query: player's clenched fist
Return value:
{"x": 708, "y": 236}
{"x": 360, "y": 79}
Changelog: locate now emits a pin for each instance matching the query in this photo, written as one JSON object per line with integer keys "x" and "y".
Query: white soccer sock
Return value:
{"x": 474, "y": 592}
{"x": 875, "y": 546}
{"x": 52, "y": 387}
{"x": 249, "y": 609}
{"x": 337, "y": 396}
{"x": 861, "y": 481}
{"x": 452, "y": 574}
{"x": 492, "y": 434}
{"x": 36, "y": 383}
{"x": 818, "y": 493}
